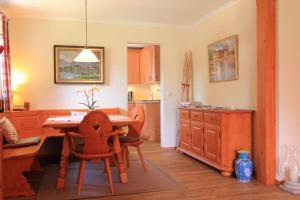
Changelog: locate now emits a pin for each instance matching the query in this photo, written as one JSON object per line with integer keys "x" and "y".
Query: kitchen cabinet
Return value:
{"x": 131, "y": 105}
{"x": 214, "y": 135}
{"x": 133, "y": 64}
{"x": 150, "y": 64}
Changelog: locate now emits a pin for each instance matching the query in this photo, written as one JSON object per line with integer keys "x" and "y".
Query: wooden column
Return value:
{"x": 266, "y": 81}
{"x": 1, "y": 166}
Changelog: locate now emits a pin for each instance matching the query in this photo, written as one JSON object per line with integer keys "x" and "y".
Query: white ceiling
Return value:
{"x": 163, "y": 12}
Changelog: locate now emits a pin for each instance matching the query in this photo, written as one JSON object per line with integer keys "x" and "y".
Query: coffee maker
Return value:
{"x": 130, "y": 95}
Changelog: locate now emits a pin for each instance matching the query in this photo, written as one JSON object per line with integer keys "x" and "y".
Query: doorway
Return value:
{"x": 143, "y": 79}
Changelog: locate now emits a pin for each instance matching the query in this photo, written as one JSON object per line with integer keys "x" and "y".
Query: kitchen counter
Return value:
{"x": 144, "y": 101}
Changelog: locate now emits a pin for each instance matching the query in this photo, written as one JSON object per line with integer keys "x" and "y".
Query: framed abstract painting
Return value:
{"x": 66, "y": 70}
{"x": 223, "y": 60}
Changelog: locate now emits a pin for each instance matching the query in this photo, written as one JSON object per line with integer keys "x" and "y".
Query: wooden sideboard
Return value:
{"x": 214, "y": 135}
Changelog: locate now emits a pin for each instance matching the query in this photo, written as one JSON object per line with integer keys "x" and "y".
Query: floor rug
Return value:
{"x": 96, "y": 183}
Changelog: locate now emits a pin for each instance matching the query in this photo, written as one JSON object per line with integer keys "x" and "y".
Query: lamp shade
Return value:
{"x": 86, "y": 55}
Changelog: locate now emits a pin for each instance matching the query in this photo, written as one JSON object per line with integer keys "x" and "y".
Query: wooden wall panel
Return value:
{"x": 266, "y": 79}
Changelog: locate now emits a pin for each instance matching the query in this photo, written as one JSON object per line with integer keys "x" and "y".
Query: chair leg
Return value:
{"x": 124, "y": 155}
{"x": 81, "y": 176}
{"x": 127, "y": 156}
{"x": 79, "y": 171}
{"x": 141, "y": 157}
{"x": 107, "y": 166}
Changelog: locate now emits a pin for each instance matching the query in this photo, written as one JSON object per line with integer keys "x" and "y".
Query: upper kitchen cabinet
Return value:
{"x": 150, "y": 64}
{"x": 133, "y": 64}
{"x": 143, "y": 65}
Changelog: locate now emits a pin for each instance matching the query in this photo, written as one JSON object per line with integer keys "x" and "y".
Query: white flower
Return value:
{"x": 95, "y": 89}
{"x": 88, "y": 93}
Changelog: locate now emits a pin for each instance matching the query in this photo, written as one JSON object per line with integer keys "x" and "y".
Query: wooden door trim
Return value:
{"x": 265, "y": 141}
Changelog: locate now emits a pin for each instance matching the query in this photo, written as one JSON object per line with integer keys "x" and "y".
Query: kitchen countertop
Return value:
{"x": 144, "y": 101}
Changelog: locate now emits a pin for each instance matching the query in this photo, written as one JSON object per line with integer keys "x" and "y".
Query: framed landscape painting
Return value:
{"x": 222, "y": 59}
{"x": 68, "y": 71}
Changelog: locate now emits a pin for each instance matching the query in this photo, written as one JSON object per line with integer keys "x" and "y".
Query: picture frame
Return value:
{"x": 66, "y": 71}
{"x": 223, "y": 60}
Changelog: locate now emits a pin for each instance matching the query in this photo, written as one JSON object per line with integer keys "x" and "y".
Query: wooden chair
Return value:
{"x": 94, "y": 130}
{"x": 133, "y": 137}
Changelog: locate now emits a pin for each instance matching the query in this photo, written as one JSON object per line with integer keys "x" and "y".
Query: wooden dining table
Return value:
{"x": 70, "y": 124}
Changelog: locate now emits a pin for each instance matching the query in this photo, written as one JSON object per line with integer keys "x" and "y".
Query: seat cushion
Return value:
{"x": 128, "y": 139}
{"x": 8, "y": 130}
{"x": 23, "y": 142}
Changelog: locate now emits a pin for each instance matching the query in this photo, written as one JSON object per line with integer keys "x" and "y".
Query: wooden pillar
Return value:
{"x": 1, "y": 167}
{"x": 266, "y": 82}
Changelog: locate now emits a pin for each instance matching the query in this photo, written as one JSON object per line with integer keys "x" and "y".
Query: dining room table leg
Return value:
{"x": 60, "y": 184}
{"x": 121, "y": 164}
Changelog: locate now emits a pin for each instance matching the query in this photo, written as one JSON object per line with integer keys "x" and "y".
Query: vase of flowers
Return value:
{"x": 89, "y": 96}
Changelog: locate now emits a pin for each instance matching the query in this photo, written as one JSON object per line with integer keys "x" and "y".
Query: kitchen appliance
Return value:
{"x": 130, "y": 95}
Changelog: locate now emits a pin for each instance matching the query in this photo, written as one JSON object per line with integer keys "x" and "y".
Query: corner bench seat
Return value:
{"x": 16, "y": 161}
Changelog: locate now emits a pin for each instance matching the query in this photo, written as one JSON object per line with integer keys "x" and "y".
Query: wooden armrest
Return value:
{"x": 76, "y": 135}
{"x": 23, "y": 152}
{"x": 121, "y": 129}
{"x": 114, "y": 133}
{"x": 24, "y": 143}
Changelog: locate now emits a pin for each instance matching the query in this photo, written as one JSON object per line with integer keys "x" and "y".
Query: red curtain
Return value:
{"x": 5, "y": 69}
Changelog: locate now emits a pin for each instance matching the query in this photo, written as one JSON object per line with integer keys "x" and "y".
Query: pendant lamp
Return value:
{"x": 86, "y": 55}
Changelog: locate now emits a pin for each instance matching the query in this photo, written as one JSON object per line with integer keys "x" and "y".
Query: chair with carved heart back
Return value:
{"x": 94, "y": 130}
{"x": 133, "y": 137}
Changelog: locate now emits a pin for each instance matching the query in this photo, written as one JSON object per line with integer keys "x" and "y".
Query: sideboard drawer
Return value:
{"x": 197, "y": 116}
{"x": 212, "y": 118}
{"x": 184, "y": 114}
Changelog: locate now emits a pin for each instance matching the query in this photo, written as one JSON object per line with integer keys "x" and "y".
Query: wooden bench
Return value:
{"x": 16, "y": 161}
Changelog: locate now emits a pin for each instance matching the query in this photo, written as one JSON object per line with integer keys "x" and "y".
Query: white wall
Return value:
{"x": 288, "y": 82}
{"x": 240, "y": 19}
{"x": 32, "y": 53}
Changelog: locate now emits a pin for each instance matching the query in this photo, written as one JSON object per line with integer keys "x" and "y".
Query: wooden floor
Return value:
{"x": 199, "y": 181}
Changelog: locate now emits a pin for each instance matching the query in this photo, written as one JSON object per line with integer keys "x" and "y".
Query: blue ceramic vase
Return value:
{"x": 243, "y": 166}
